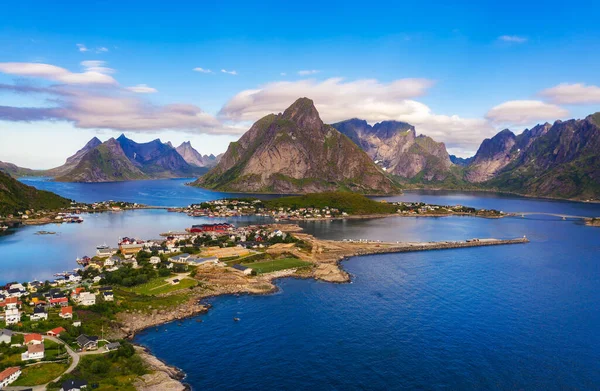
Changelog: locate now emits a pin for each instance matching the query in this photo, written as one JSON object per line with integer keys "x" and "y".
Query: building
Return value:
{"x": 39, "y": 313}
{"x": 33, "y": 339}
{"x": 73, "y": 385}
{"x": 8, "y": 376}
{"x": 60, "y": 301}
{"x": 11, "y": 303}
{"x": 182, "y": 258}
{"x": 108, "y": 296}
{"x": 5, "y": 336}
{"x": 217, "y": 228}
{"x": 87, "y": 342}
{"x": 66, "y": 312}
{"x": 34, "y": 352}
{"x": 86, "y": 298}
{"x": 112, "y": 346}
{"x": 244, "y": 269}
{"x": 12, "y": 316}
{"x": 56, "y": 332}
{"x": 154, "y": 260}
{"x": 129, "y": 250}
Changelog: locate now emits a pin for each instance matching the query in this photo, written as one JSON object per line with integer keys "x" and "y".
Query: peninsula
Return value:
{"x": 84, "y": 320}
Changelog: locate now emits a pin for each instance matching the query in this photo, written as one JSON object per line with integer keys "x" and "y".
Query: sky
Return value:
{"x": 205, "y": 71}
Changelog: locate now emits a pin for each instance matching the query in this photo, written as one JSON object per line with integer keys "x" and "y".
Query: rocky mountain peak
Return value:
{"x": 304, "y": 113}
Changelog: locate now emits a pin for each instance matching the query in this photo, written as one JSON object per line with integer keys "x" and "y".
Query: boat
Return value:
{"x": 236, "y": 319}
{"x": 102, "y": 247}
{"x": 3, "y": 227}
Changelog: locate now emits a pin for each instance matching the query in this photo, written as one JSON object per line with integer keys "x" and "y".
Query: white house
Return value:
{"x": 12, "y": 316}
{"x": 108, "y": 296}
{"x": 74, "y": 278}
{"x": 97, "y": 279}
{"x": 87, "y": 298}
{"x": 5, "y": 336}
{"x": 38, "y": 314}
{"x": 8, "y": 376}
{"x": 182, "y": 258}
{"x": 154, "y": 260}
{"x": 34, "y": 352}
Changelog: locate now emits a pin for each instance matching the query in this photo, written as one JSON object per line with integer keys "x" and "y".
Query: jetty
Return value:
{"x": 559, "y": 215}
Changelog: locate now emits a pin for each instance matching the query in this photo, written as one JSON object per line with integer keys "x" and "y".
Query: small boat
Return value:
{"x": 199, "y": 320}
{"x": 3, "y": 227}
{"x": 236, "y": 319}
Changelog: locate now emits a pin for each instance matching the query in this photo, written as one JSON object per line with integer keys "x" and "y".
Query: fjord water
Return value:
{"x": 506, "y": 317}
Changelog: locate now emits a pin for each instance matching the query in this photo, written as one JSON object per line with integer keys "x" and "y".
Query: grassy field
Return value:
{"x": 40, "y": 374}
{"x": 350, "y": 203}
{"x": 159, "y": 285}
{"x": 135, "y": 302}
{"x": 276, "y": 264}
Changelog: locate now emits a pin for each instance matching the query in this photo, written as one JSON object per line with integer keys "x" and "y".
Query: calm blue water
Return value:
{"x": 502, "y": 318}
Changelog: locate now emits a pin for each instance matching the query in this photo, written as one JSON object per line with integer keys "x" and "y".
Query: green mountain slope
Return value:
{"x": 17, "y": 197}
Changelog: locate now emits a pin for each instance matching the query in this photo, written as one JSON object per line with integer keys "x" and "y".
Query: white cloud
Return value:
{"x": 308, "y": 72}
{"x": 525, "y": 112}
{"x": 229, "y": 72}
{"x": 97, "y": 66}
{"x": 142, "y": 89}
{"x": 101, "y": 50}
{"x": 52, "y": 72}
{"x": 283, "y": 74}
{"x": 202, "y": 70}
{"x": 110, "y": 107}
{"x": 512, "y": 39}
{"x": 338, "y": 100}
{"x": 572, "y": 94}
{"x": 82, "y": 47}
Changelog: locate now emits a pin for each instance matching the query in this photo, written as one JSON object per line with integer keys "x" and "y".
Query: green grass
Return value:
{"x": 53, "y": 350}
{"x": 134, "y": 302}
{"x": 16, "y": 197}
{"x": 276, "y": 264}
{"x": 350, "y": 203}
{"x": 40, "y": 374}
{"x": 159, "y": 285}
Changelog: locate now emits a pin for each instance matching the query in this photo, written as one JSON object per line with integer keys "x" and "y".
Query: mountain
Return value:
{"x": 493, "y": 155}
{"x": 396, "y": 147}
{"x": 17, "y": 197}
{"x": 106, "y": 162}
{"x": 559, "y": 160}
{"x": 123, "y": 159}
{"x": 72, "y": 161}
{"x": 16, "y": 171}
{"x": 459, "y": 161}
{"x": 295, "y": 152}
{"x": 194, "y": 158}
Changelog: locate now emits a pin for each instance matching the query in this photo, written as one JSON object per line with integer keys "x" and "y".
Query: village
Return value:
{"x": 64, "y": 215}
{"x": 256, "y": 207}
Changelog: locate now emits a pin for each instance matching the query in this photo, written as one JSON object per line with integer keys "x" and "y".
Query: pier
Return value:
{"x": 559, "y": 215}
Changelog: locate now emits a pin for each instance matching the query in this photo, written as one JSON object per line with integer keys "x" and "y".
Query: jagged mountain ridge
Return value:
{"x": 396, "y": 147}
{"x": 194, "y": 158}
{"x": 123, "y": 159}
{"x": 295, "y": 152}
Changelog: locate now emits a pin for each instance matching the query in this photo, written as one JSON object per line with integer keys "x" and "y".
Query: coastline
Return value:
{"x": 326, "y": 256}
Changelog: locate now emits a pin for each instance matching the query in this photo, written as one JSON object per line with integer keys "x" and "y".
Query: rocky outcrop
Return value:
{"x": 161, "y": 376}
{"x": 396, "y": 147}
{"x": 295, "y": 152}
{"x": 493, "y": 155}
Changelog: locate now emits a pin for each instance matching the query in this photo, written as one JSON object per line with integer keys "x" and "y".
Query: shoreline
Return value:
{"x": 326, "y": 267}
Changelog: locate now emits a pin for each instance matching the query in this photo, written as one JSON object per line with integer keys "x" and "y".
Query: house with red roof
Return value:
{"x": 9, "y": 375}
{"x": 66, "y": 312}
{"x": 61, "y": 301}
{"x": 33, "y": 339}
{"x": 56, "y": 332}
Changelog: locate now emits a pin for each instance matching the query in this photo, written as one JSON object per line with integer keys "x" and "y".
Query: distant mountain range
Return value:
{"x": 123, "y": 159}
{"x": 295, "y": 152}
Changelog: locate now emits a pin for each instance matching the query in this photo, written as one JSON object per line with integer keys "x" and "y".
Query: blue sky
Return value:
{"x": 459, "y": 71}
